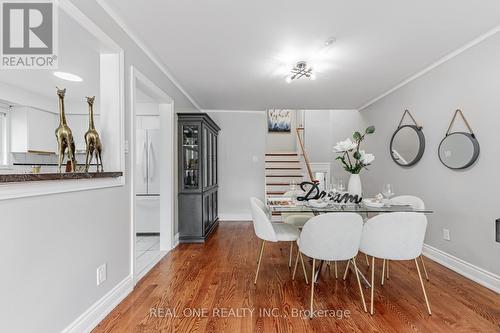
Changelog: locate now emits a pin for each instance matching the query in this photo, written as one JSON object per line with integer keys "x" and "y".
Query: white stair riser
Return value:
{"x": 284, "y": 165}
{"x": 286, "y": 172}
{"x": 284, "y": 179}
{"x": 282, "y": 158}
{"x": 273, "y": 188}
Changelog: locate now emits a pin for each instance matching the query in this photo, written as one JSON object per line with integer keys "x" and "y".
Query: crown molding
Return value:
{"x": 232, "y": 111}
{"x": 438, "y": 63}
{"x": 121, "y": 23}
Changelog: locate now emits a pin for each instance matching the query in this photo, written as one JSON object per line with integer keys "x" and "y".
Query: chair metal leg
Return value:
{"x": 346, "y": 269}
{"x": 387, "y": 269}
{"x": 291, "y": 251}
{"x": 423, "y": 288}
{"x": 367, "y": 261}
{"x": 295, "y": 267}
{"x": 304, "y": 267}
{"x": 336, "y": 273}
{"x": 312, "y": 287}
{"x": 423, "y": 265}
{"x": 359, "y": 284}
{"x": 260, "y": 260}
{"x": 373, "y": 285}
{"x": 383, "y": 272}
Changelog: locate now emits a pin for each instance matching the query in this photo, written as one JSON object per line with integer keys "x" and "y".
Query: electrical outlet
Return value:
{"x": 126, "y": 146}
{"x": 446, "y": 234}
{"x": 101, "y": 274}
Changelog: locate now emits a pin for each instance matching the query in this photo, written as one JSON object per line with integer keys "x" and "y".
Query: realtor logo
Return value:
{"x": 29, "y": 35}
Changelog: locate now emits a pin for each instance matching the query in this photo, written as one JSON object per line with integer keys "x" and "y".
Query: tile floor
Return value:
{"x": 147, "y": 249}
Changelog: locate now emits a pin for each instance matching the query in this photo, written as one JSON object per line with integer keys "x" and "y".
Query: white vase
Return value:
{"x": 354, "y": 186}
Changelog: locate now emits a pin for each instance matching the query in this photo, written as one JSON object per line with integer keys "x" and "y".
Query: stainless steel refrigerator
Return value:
{"x": 147, "y": 184}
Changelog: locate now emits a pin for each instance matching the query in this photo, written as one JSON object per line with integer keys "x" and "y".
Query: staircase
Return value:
{"x": 282, "y": 169}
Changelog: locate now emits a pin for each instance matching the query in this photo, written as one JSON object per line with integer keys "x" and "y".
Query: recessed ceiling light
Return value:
{"x": 68, "y": 76}
{"x": 330, "y": 41}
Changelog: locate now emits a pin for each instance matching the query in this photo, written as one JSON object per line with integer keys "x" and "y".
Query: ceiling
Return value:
{"x": 235, "y": 55}
{"x": 80, "y": 58}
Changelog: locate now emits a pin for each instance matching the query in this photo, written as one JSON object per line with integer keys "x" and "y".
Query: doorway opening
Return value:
{"x": 152, "y": 161}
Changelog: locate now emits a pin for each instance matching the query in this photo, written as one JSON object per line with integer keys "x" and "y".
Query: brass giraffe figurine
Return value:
{"x": 64, "y": 135}
{"x": 92, "y": 140}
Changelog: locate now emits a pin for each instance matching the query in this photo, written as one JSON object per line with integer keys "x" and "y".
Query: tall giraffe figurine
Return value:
{"x": 92, "y": 140}
{"x": 64, "y": 135}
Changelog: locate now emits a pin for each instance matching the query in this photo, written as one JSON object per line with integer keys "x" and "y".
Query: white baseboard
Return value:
{"x": 152, "y": 264}
{"x": 100, "y": 309}
{"x": 235, "y": 217}
{"x": 176, "y": 241}
{"x": 474, "y": 273}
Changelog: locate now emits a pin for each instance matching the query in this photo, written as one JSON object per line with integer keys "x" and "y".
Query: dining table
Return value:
{"x": 284, "y": 205}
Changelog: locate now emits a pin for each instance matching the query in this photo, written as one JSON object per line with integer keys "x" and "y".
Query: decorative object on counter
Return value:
{"x": 31, "y": 177}
{"x": 64, "y": 135}
{"x": 279, "y": 121}
{"x": 459, "y": 150}
{"x": 407, "y": 143}
{"x": 353, "y": 159}
{"x": 92, "y": 140}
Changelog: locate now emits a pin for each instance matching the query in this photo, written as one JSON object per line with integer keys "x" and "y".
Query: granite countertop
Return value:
{"x": 30, "y": 177}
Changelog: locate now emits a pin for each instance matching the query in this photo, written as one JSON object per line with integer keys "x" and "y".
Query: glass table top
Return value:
{"x": 338, "y": 208}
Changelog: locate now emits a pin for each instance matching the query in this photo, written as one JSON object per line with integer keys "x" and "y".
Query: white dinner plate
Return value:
{"x": 373, "y": 203}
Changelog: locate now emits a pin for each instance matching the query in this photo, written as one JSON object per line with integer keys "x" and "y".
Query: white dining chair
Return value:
{"x": 268, "y": 231}
{"x": 415, "y": 203}
{"x": 394, "y": 236}
{"x": 296, "y": 219}
{"x": 332, "y": 237}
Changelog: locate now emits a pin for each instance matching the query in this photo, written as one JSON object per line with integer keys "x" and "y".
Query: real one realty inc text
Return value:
{"x": 164, "y": 312}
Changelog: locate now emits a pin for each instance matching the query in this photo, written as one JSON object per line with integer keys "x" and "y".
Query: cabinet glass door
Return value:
{"x": 205, "y": 162}
{"x": 208, "y": 158}
{"x": 214, "y": 159}
{"x": 190, "y": 152}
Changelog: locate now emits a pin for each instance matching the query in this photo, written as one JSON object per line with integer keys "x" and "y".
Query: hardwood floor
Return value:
{"x": 194, "y": 288}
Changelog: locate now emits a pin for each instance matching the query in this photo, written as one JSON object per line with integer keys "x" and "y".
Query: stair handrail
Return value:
{"x": 306, "y": 158}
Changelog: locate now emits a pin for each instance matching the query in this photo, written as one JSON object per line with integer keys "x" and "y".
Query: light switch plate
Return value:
{"x": 446, "y": 234}
{"x": 101, "y": 274}
{"x": 497, "y": 230}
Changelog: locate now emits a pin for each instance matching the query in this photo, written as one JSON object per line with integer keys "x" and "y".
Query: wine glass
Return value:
{"x": 387, "y": 192}
{"x": 341, "y": 185}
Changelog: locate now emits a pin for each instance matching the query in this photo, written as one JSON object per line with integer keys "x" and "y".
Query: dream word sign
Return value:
{"x": 312, "y": 192}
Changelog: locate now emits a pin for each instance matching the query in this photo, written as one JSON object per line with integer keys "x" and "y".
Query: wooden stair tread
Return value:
{"x": 278, "y": 184}
{"x": 278, "y": 161}
{"x": 284, "y": 176}
{"x": 276, "y": 192}
{"x": 282, "y": 154}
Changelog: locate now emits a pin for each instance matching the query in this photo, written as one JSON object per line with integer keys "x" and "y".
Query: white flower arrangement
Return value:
{"x": 347, "y": 148}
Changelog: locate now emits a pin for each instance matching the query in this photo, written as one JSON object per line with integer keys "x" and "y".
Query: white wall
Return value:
{"x": 466, "y": 202}
{"x": 323, "y": 129}
{"x": 282, "y": 142}
{"x": 51, "y": 246}
{"x": 242, "y": 147}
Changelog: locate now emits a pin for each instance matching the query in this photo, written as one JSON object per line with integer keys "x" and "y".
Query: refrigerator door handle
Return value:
{"x": 151, "y": 161}
{"x": 144, "y": 164}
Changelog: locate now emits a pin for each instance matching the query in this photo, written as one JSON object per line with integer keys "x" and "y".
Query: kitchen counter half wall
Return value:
{"x": 29, "y": 177}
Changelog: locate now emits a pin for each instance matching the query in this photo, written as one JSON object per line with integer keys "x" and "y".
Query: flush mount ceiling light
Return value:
{"x": 68, "y": 76}
{"x": 301, "y": 70}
